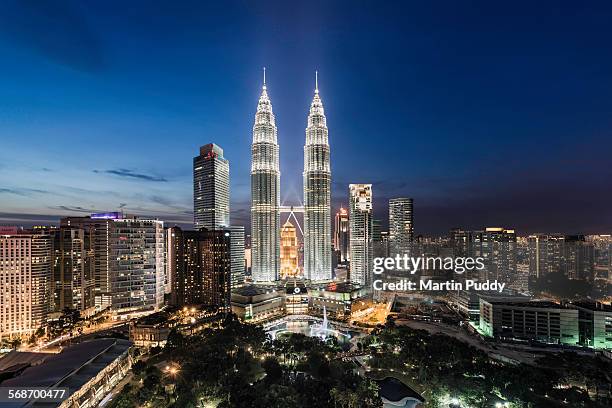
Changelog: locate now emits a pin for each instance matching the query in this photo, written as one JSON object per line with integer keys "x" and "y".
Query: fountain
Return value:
{"x": 323, "y": 331}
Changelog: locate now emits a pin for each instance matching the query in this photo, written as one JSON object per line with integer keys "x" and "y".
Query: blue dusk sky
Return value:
{"x": 486, "y": 113}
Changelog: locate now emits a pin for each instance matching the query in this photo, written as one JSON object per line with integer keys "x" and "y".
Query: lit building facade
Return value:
{"x": 200, "y": 267}
{"x": 289, "y": 252}
{"x": 360, "y": 234}
{"x": 137, "y": 265}
{"x": 237, "y": 253}
{"x": 211, "y": 195}
{"x": 401, "y": 226}
{"x": 545, "y": 254}
{"x": 73, "y": 281}
{"x": 99, "y": 227}
{"x": 317, "y": 195}
{"x": 25, "y": 275}
{"x": 265, "y": 194}
{"x": 545, "y": 322}
{"x": 341, "y": 235}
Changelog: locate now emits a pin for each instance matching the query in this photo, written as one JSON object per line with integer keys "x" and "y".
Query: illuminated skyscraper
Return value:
{"x": 25, "y": 274}
{"x": 341, "y": 235}
{"x": 360, "y": 232}
{"x": 401, "y": 226}
{"x": 289, "y": 252}
{"x": 265, "y": 194}
{"x": 211, "y": 197}
{"x": 317, "y": 195}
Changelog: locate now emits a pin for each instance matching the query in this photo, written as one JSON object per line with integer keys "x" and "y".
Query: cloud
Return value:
{"x": 127, "y": 173}
{"x": 75, "y": 208}
{"x": 24, "y": 192}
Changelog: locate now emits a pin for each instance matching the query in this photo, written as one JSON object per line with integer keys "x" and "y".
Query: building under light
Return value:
{"x": 360, "y": 233}
{"x": 317, "y": 195}
{"x": 25, "y": 274}
{"x": 211, "y": 196}
{"x": 341, "y": 235}
{"x": 289, "y": 252}
{"x": 401, "y": 226}
{"x": 265, "y": 194}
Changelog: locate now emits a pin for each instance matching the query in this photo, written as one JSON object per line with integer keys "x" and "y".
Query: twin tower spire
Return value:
{"x": 265, "y": 193}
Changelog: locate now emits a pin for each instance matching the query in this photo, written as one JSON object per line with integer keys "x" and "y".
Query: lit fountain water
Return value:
{"x": 323, "y": 331}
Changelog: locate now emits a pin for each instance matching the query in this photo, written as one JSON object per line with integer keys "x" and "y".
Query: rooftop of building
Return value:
{"x": 595, "y": 306}
{"x": 73, "y": 367}
{"x": 253, "y": 290}
{"x": 342, "y": 287}
{"x": 395, "y": 390}
{"x": 532, "y": 303}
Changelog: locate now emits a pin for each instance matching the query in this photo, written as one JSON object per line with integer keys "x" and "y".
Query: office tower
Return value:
{"x": 360, "y": 233}
{"x": 237, "y": 253}
{"x": 265, "y": 194}
{"x": 200, "y": 267}
{"x": 545, "y": 254}
{"x": 211, "y": 197}
{"x": 341, "y": 235}
{"x": 137, "y": 264}
{"x": 25, "y": 274}
{"x": 289, "y": 252}
{"x": 498, "y": 248}
{"x": 401, "y": 226}
{"x": 73, "y": 281}
{"x": 317, "y": 194}
{"x": 99, "y": 227}
{"x": 378, "y": 246}
{"x": 579, "y": 258}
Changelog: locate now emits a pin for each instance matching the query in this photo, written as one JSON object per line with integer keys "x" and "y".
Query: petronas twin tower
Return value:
{"x": 265, "y": 194}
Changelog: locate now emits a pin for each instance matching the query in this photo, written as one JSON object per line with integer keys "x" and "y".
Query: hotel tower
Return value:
{"x": 265, "y": 194}
{"x": 317, "y": 190}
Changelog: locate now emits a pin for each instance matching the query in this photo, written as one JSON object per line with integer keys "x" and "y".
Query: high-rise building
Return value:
{"x": 401, "y": 226}
{"x": 211, "y": 196}
{"x": 265, "y": 194}
{"x": 498, "y": 248}
{"x": 545, "y": 254}
{"x": 578, "y": 257}
{"x": 25, "y": 275}
{"x": 360, "y": 233}
{"x": 317, "y": 194}
{"x": 341, "y": 235}
{"x": 73, "y": 281}
{"x": 99, "y": 227}
{"x": 200, "y": 267}
{"x": 289, "y": 252}
{"x": 237, "y": 253}
{"x": 137, "y": 264}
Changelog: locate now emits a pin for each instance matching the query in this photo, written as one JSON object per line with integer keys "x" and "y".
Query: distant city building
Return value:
{"x": 211, "y": 195}
{"x": 498, "y": 248}
{"x": 317, "y": 195}
{"x": 360, "y": 233}
{"x": 545, "y": 254}
{"x": 237, "y": 255}
{"x": 265, "y": 194}
{"x": 73, "y": 284}
{"x": 289, "y": 252}
{"x": 200, "y": 267}
{"x": 137, "y": 265}
{"x": 401, "y": 226}
{"x": 380, "y": 240}
{"x": 341, "y": 235}
{"x": 25, "y": 275}
{"x": 571, "y": 255}
{"x": 579, "y": 261}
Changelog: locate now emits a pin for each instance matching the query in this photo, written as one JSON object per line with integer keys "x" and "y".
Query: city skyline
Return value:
{"x": 461, "y": 142}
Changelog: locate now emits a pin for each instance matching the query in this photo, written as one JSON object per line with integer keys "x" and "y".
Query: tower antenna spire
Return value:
{"x": 264, "y": 74}
{"x": 316, "y": 81}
